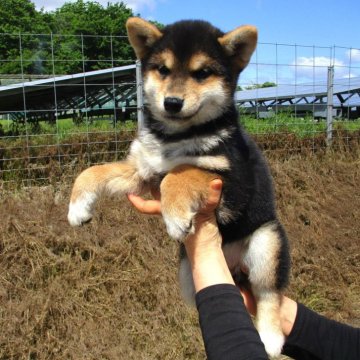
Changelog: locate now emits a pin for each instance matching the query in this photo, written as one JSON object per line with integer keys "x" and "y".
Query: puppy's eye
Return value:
{"x": 202, "y": 74}
{"x": 163, "y": 70}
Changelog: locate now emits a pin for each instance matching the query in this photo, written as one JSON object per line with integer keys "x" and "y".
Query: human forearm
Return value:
{"x": 226, "y": 326}
{"x": 206, "y": 257}
{"x": 316, "y": 337}
{"x": 288, "y": 311}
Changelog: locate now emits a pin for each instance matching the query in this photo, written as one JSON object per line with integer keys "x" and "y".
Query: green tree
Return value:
{"x": 18, "y": 50}
{"x": 21, "y": 16}
{"x": 82, "y": 36}
{"x": 78, "y": 36}
{"x": 266, "y": 84}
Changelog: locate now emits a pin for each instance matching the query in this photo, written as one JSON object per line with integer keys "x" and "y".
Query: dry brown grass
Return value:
{"x": 109, "y": 290}
{"x": 319, "y": 204}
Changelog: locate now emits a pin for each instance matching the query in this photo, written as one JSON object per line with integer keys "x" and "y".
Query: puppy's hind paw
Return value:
{"x": 273, "y": 342}
{"x": 80, "y": 210}
{"x": 178, "y": 228}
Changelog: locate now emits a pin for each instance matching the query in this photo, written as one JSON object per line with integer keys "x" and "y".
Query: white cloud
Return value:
{"x": 312, "y": 61}
{"x": 353, "y": 54}
{"x": 139, "y": 5}
{"x": 316, "y": 68}
{"x": 303, "y": 69}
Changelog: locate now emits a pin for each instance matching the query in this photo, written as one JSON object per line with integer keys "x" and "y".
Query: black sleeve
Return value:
{"x": 226, "y": 326}
{"x": 315, "y": 337}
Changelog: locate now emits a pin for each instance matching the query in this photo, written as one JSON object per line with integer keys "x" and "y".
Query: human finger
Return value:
{"x": 214, "y": 196}
{"x": 249, "y": 300}
{"x": 149, "y": 207}
{"x": 215, "y": 192}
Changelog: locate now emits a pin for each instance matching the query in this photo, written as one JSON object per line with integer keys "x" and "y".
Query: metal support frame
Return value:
{"x": 330, "y": 105}
{"x": 139, "y": 95}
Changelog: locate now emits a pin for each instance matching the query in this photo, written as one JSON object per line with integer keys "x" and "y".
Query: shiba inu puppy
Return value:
{"x": 191, "y": 135}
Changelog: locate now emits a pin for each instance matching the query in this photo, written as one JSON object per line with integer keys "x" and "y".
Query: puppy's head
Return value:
{"x": 190, "y": 68}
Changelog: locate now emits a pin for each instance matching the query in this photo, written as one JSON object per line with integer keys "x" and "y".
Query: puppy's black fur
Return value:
{"x": 190, "y": 72}
{"x": 248, "y": 189}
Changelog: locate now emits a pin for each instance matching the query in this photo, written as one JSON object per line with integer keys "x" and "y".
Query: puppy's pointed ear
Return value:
{"x": 239, "y": 44}
{"x": 142, "y": 35}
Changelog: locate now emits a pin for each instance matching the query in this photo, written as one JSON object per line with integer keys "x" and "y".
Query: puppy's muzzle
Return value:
{"x": 173, "y": 105}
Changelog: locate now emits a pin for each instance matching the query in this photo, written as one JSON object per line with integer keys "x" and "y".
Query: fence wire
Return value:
{"x": 69, "y": 101}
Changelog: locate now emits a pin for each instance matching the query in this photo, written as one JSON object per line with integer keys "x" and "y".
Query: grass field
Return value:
{"x": 281, "y": 123}
{"x": 109, "y": 290}
{"x": 300, "y": 126}
{"x": 65, "y": 127}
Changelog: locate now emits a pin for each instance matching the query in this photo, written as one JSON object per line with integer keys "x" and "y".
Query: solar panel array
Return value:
{"x": 346, "y": 93}
{"x": 60, "y": 97}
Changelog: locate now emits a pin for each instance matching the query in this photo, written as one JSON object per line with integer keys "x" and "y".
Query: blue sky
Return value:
{"x": 309, "y": 22}
{"x": 316, "y": 24}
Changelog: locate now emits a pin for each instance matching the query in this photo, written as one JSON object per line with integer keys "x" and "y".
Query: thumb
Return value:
{"x": 214, "y": 195}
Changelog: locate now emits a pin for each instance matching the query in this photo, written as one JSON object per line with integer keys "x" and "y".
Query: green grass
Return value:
{"x": 280, "y": 123}
{"x": 66, "y": 127}
{"x": 301, "y": 126}
{"x": 353, "y": 125}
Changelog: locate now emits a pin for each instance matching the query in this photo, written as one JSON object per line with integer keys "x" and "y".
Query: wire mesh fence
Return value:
{"x": 309, "y": 94}
{"x": 69, "y": 101}
{"x": 65, "y": 102}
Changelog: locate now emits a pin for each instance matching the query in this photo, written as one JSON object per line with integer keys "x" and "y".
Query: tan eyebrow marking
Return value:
{"x": 199, "y": 61}
{"x": 166, "y": 58}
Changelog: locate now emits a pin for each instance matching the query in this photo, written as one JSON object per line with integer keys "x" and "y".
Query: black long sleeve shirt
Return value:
{"x": 229, "y": 333}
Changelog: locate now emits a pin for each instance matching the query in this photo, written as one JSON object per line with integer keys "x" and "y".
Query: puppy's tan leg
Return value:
{"x": 121, "y": 177}
{"x": 262, "y": 261}
{"x": 183, "y": 192}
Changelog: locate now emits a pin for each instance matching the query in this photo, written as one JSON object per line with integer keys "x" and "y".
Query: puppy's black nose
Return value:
{"x": 173, "y": 105}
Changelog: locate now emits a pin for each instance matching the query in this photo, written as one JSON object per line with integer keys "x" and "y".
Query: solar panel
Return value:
{"x": 98, "y": 89}
{"x": 310, "y": 92}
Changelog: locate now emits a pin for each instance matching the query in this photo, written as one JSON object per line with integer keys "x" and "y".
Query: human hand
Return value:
{"x": 288, "y": 309}
{"x": 249, "y": 299}
{"x": 153, "y": 206}
{"x": 206, "y": 235}
{"x": 204, "y": 246}
{"x": 204, "y": 250}
{"x": 148, "y": 207}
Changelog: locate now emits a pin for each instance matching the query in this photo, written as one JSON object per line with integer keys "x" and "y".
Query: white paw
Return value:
{"x": 273, "y": 342}
{"x": 80, "y": 211}
{"x": 178, "y": 228}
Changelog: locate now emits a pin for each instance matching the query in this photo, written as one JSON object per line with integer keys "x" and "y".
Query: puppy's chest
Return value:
{"x": 150, "y": 158}
{"x": 153, "y": 156}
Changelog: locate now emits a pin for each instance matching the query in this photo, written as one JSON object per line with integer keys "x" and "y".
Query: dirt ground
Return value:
{"x": 109, "y": 290}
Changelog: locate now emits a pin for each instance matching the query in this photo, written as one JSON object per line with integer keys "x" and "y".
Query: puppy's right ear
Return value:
{"x": 142, "y": 35}
{"x": 239, "y": 45}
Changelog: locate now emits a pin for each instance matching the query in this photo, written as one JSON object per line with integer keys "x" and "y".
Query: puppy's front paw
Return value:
{"x": 179, "y": 227}
{"x": 273, "y": 342}
{"x": 80, "y": 209}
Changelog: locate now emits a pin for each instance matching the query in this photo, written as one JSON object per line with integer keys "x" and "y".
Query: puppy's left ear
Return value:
{"x": 142, "y": 35}
{"x": 239, "y": 44}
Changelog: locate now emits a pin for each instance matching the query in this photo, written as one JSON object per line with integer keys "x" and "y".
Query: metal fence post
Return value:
{"x": 139, "y": 95}
{"x": 330, "y": 105}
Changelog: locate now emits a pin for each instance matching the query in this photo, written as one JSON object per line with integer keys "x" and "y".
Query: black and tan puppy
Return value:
{"x": 191, "y": 135}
